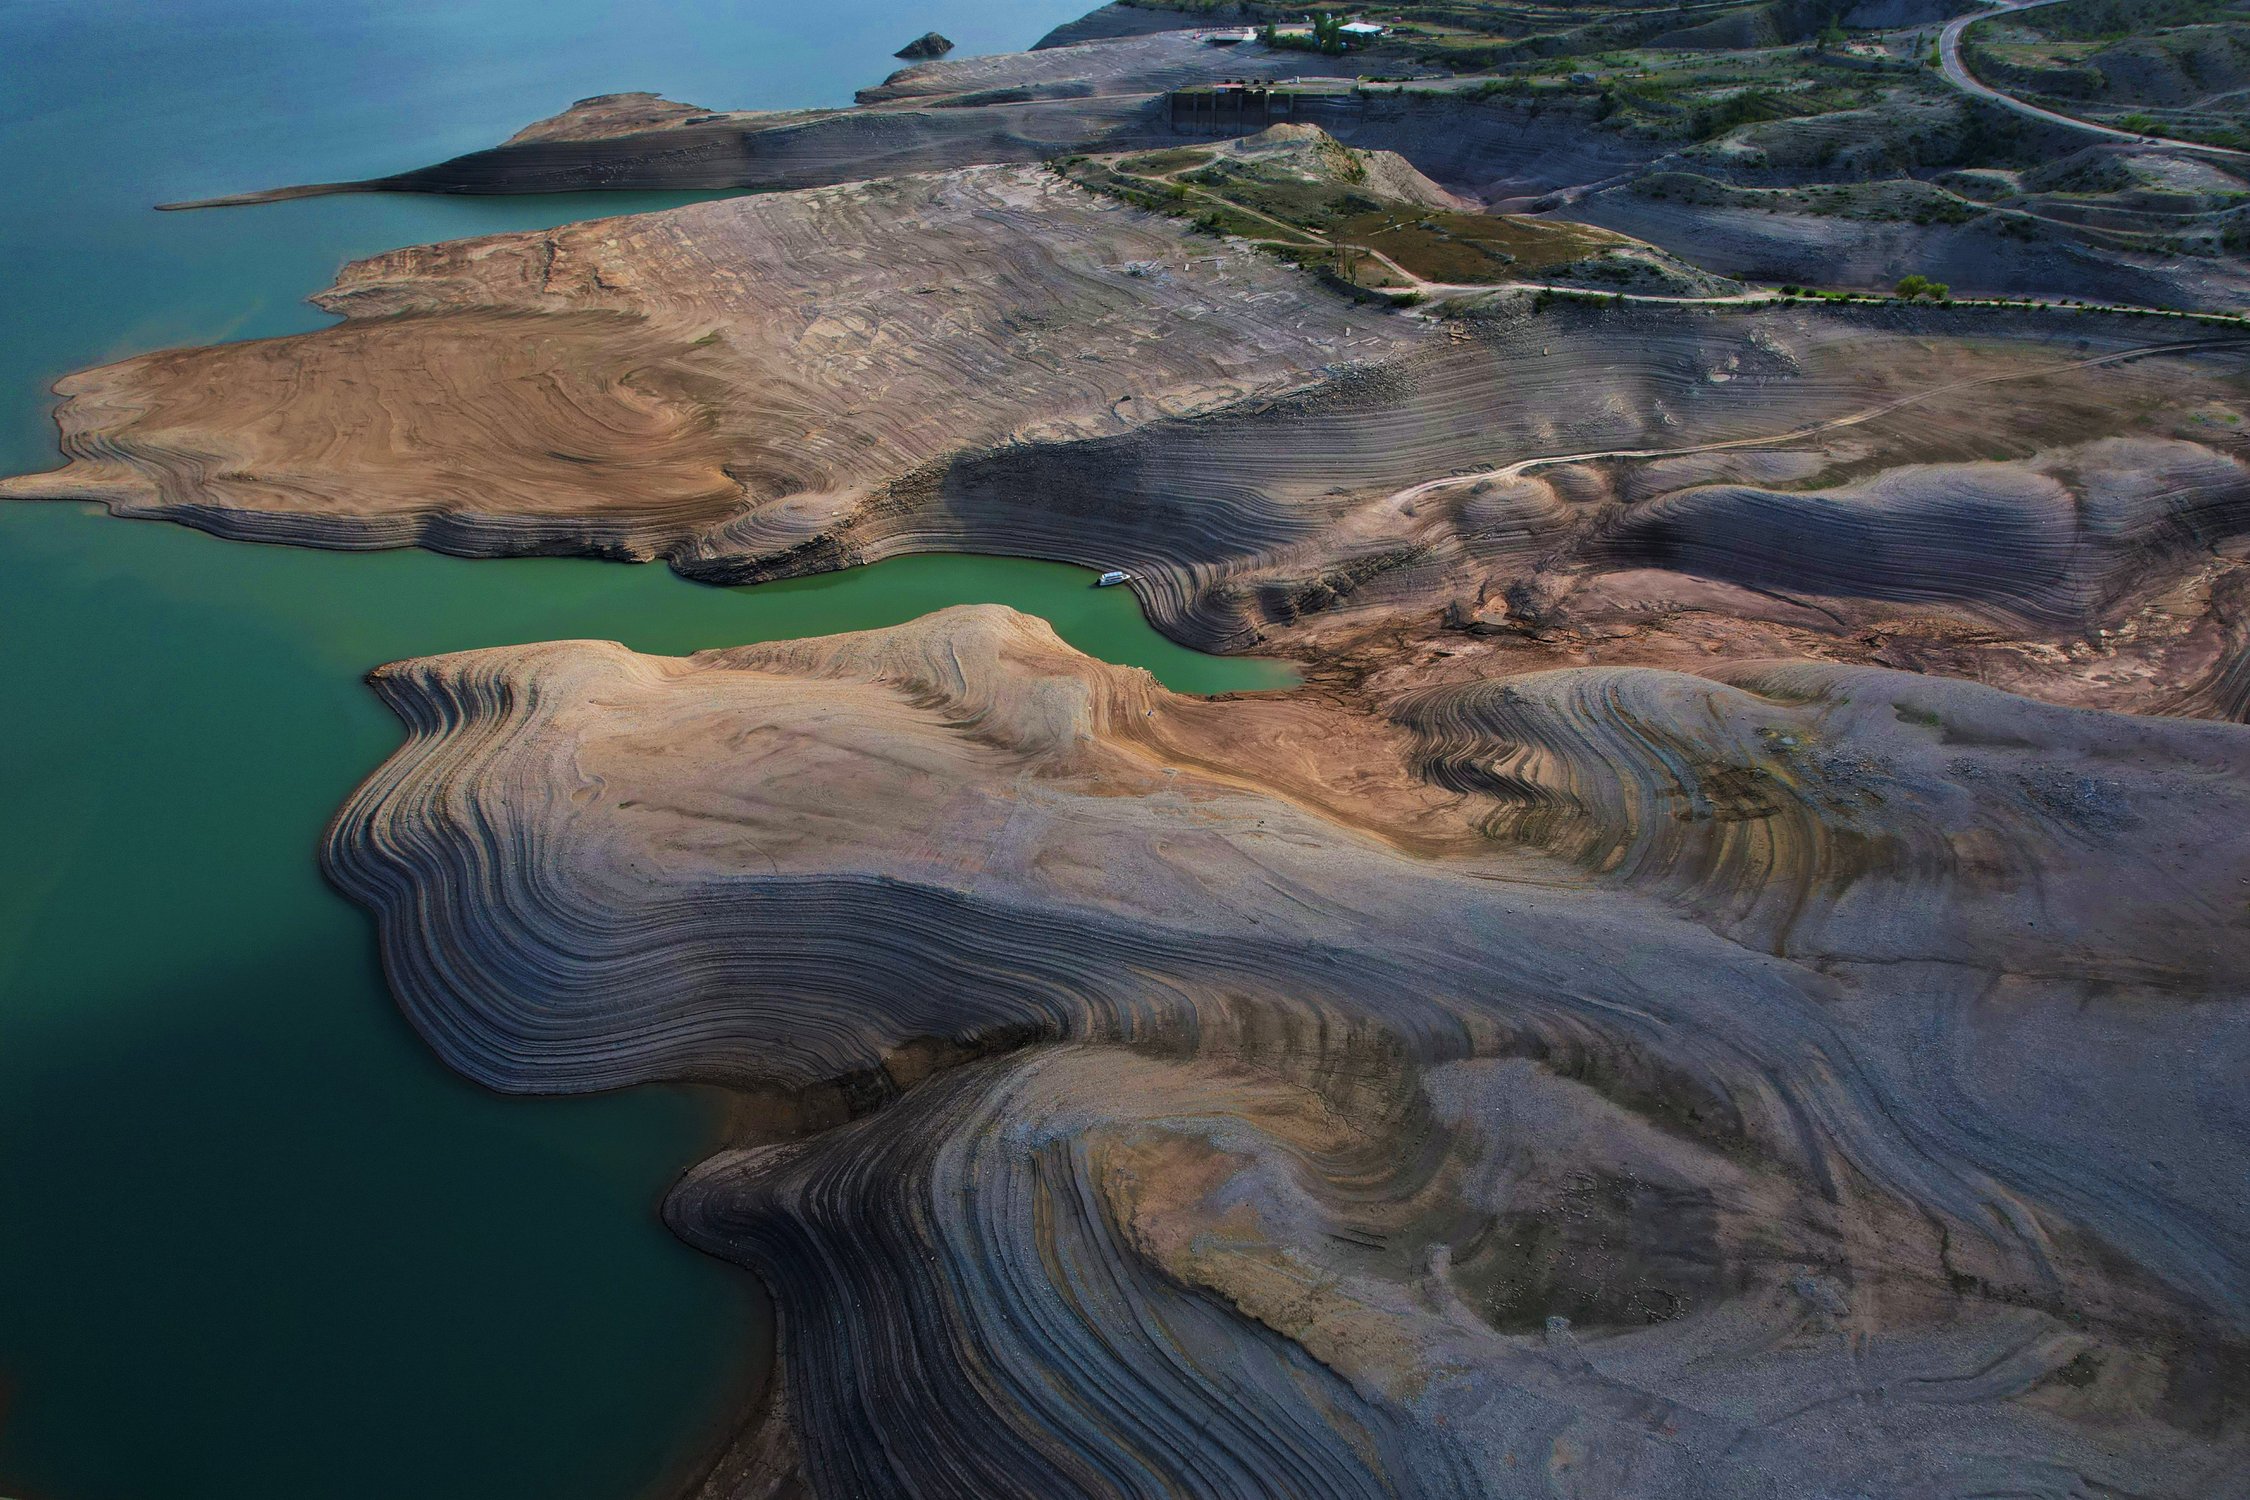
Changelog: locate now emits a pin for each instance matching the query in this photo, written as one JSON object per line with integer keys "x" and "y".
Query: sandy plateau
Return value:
{"x": 1725, "y": 981}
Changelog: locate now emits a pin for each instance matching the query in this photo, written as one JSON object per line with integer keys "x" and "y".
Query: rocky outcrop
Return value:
{"x": 924, "y": 47}
{"x": 1221, "y": 1097}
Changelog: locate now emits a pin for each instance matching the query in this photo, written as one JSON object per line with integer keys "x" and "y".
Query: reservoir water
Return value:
{"x": 255, "y": 1244}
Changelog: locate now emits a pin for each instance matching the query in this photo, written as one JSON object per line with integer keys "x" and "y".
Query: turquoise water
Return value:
{"x": 109, "y": 106}
{"x": 255, "y": 1244}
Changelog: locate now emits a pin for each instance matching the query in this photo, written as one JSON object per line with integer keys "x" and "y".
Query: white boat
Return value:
{"x": 1112, "y": 578}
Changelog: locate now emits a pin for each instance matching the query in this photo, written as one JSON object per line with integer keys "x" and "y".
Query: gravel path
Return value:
{"x": 1958, "y": 74}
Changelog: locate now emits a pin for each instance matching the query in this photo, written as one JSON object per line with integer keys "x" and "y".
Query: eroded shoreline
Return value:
{"x": 995, "y": 902}
{"x": 1635, "y": 1004}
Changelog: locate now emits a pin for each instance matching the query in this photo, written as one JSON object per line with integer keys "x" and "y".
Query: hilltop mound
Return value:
{"x": 607, "y": 115}
{"x": 1310, "y": 154}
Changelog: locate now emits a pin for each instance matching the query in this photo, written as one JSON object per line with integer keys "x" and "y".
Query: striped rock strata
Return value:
{"x": 1607, "y": 1083}
{"x": 739, "y": 387}
{"x": 725, "y": 382}
{"x": 996, "y": 361}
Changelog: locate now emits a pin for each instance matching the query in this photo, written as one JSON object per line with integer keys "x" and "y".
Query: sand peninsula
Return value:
{"x": 1726, "y": 978}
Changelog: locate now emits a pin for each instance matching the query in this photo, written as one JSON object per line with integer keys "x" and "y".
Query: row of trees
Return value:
{"x": 1327, "y": 36}
{"x": 1915, "y": 288}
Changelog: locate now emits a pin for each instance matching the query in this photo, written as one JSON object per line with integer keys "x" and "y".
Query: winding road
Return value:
{"x": 1407, "y": 497}
{"x": 1957, "y": 73}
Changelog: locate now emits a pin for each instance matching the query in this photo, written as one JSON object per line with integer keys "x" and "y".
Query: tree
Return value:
{"x": 1328, "y": 33}
{"x": 1919, "y": 286}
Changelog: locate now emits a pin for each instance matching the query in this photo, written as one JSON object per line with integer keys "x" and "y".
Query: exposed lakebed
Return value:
{"x": 261, "y": 1244}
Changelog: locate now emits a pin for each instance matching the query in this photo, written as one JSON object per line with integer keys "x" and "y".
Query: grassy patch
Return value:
{"x": 1323, "y": 224}
{"x": 1476, "y": 248}
{"x": 1164, "y": 163}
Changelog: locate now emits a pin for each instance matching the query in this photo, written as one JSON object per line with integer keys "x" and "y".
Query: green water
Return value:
{"x": 255, "y": 1244}
{"x": 260, "y": 1243}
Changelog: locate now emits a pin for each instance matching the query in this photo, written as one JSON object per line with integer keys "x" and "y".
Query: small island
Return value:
{"x": 924, "y": 47}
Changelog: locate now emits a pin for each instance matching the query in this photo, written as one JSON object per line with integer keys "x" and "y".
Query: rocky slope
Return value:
{"x": 1609, "y": 1082}
{"x": 994, "y": 360}
{"x": 719, "y": 385}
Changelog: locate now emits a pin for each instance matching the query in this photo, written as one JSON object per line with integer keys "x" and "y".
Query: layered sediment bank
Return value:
{"x": 1706, "y": 990}
{"x": 1165, "y": 1094}
{"x": 722, "y": 387}
{"x": 996, "y": 360}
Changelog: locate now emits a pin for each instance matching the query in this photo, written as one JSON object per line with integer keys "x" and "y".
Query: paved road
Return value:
{"x": 1957, "y": 73}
